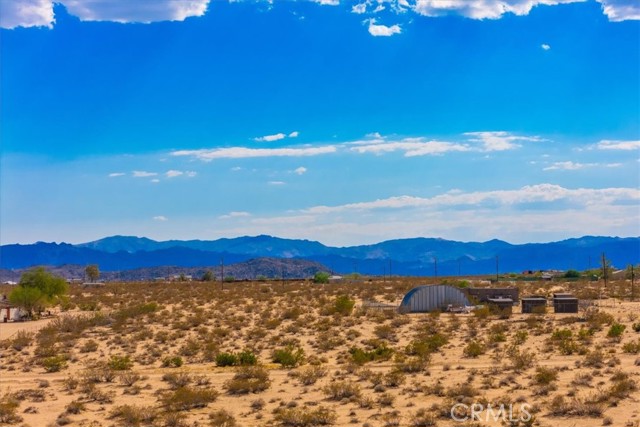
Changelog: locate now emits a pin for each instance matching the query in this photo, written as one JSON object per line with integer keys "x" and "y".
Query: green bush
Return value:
{"x": 247, "y": 358}
{"x": 474, "y": 349}
{"x": 321, "y": 277}
{"x": 344, "y": 305}
{"x": 289, "y": 357}
{"x": 54, "y": 363}
{"x": 379, "y": 352}
{"x": 544, "y": 376}
{"x": 120, "y": 363}
{"x": 616, "y": 330}
{"x": 172, "y": 362}
{"x": 632, "y": 347}
{"x": 226, "y": 359}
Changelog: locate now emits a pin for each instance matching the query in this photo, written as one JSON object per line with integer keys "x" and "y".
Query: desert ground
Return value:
{"x": 304, "y": 354}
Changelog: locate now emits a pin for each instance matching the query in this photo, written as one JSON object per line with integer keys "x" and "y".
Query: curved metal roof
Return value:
{"x": 432, "y": 297}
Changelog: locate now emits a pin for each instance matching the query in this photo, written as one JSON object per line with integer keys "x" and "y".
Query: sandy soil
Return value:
{"x": 566, "y": 357}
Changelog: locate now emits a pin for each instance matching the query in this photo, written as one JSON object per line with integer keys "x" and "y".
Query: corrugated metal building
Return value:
{"x": 428, "y": 298}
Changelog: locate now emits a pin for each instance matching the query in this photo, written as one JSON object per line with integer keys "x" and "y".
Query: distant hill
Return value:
{"x": 400, "y": 257}
{"x": 275, "y": 268}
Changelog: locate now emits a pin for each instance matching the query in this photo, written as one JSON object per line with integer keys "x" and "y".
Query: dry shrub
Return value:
{"x": 248, "y": 379}
{"x": 295, "y": 417}
{"x": 339, "y": 390}
{"x": 185, "y": 398}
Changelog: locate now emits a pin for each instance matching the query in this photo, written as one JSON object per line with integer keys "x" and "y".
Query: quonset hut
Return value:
{"x": 428, "y": 298}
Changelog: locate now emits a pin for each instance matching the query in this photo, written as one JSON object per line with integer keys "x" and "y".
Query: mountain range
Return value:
{"x": 415, "y": 256}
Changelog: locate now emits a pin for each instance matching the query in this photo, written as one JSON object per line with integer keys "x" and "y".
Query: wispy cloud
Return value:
{"x": 277, "y": 136}
{"x": 116, "y": 174}
{"x": 143, "y": 174}
{"x": 276, "y": 182}
{"x": 540, "y": 193}
{"x": 160, "y": 218}
{"x": 300, "y": 171}
{"x": 235, "y": 214}
{"x": 173, "y": 173}
{"x": 617, "y": 145}
{"x": 571, "y": 166}
{"x": 244, "y": 152}
{"x": 270, "y": 138}
{"x": 500, "y": 140}
{"x": 379, "y": 30}
{"x": 410, "y": 146}
{"x": 545, "y": 46}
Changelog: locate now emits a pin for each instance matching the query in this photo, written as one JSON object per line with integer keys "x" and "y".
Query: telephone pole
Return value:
{"x": 435, "y": 266}
{"x": 633, "y": 277}
{"x": 222, "y": 273}
{"x": 604, "y": 270}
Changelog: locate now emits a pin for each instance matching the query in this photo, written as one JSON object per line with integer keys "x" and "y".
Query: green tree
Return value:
{"x": 321, "y": 277}
{"x": 572, "y": 274}
{"x": 37, "y": 289}
{"x": 29, "y": 299}
{"x": 207, "y": 276}
{"x": 93, "y": 272}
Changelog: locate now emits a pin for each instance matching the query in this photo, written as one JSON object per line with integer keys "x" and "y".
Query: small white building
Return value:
{"x": 9, "y": 313}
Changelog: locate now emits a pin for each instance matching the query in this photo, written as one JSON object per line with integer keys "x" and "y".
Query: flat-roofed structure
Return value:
{"x": 484, "y": 294}
{"x": 565, "y": 303}
{"x": 502, "y": 304}
{"x": 534, "y": 304}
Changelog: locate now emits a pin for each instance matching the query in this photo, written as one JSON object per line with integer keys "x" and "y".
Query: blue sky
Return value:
{"x": 343, "y": 122}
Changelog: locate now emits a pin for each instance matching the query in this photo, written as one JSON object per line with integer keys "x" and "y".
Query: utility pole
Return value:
{"x": 604, "y": 270}
{"x": 633, "y": 277}
{"x": 497, "y": 268}
{"x": 222, "y": 273}
{"x": 435, "y": 266}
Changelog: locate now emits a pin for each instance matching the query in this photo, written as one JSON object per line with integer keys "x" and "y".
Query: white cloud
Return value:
{"x": 481, "y": 9}
{"x": 155, "y": 180}
{"x": 29, "y": 13}
{"x": 143, "y": 174}
{"x": 26, "y": 13}
{"x": 411, "y": 146}
{"x": 294, "y": 134}
{"x": 378, "y": 30}
{"x": 301, "y": 170}
{"x": 499, "y": 140}
{"x": 545, "y": 46}
{"x": 116, "y": 174}
{"x": 276, "y": 182}
{"x": 540, "y": 193}
{"x": 173, "y": 173}
{"x": 569, "y": 166}
{"x": 243, "y": 152}
{"x": 236, "y": 169}
{"x": 618, "y": 145}
{"x": 160, "y": 218}
{"x": 327, "y": 2}
{"x": 270, "y": 138}
{"x": 621, "y": 10}
{"x": 235, "y": 214}
{"x": 359, "y": 8}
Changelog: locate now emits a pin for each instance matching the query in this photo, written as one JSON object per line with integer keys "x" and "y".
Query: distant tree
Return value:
{"x": 37, "y": 289}
{"x": 207, "y": 276}
{"x": 229, "y": 279}
{"x": 572, "y": 274}
{"x": 93, "y": 272}
{"x": 321, "y": 277}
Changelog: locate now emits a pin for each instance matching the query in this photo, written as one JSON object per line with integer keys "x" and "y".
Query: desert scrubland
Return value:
{"x": 303, "y": 354}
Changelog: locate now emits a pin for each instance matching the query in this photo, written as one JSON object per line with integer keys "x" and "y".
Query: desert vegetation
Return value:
{"x": 309, "y": 354}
